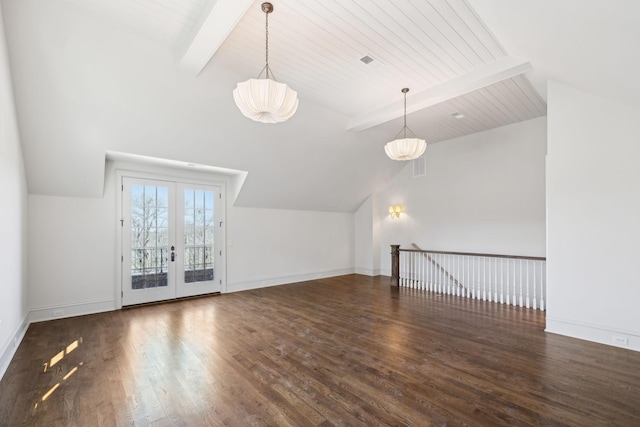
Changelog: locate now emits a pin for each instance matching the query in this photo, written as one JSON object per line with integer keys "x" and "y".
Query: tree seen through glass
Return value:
{"x": 198, "y": 235}
{"x": 149, "y": 236}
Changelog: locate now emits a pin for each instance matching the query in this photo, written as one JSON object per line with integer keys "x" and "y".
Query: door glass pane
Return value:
{"x": 198, "y": 235}
{"x": 149, "y": 236}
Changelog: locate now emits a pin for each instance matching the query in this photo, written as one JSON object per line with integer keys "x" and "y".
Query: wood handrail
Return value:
{"x": 532, "y": 258}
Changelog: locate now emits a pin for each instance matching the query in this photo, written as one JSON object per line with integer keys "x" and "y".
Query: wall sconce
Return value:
{"x": 395, "y": 211}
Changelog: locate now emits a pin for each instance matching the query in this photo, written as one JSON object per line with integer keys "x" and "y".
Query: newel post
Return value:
{"x": 395, "y": 265}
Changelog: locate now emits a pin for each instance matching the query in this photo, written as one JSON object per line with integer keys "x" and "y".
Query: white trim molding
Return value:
{"x": 9, "y": 348}
{"x": 368, "y": 271}
{"x": 41, "y": 314}
{"x": 284, "y": 280}
{"x": 629, "y": 339}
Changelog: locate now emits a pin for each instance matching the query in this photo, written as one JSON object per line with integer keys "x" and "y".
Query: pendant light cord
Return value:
{"x": 404, "y": 128}
{"x": 266, "y": 31}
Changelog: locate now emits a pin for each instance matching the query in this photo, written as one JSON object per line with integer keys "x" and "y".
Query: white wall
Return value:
{"x": 72, "y": 257}
{"x": 481, "y": 193}
{"x": 367, "y": 235}
{"x": 274, "y": 246}
{"x": 13, "y": 208}
{"x": 593, "y": 217}
{"x": 73, "y": 248}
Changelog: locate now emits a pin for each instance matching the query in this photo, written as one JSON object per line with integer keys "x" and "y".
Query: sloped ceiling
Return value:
{"x": 155, "y": 77}
{"x": 590, "y": 45}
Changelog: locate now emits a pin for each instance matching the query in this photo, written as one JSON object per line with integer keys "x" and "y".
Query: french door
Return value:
{"x": 172, "y": 235}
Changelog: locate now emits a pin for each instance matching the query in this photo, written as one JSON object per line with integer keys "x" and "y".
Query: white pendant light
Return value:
{"x": 405, "y": 148}
{"x": 264, "y": 99}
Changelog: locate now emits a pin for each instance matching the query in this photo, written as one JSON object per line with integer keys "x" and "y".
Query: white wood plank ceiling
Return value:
{"x": 316, "y": 47}
{"x": 430, "y": 46}
{"x": 503, "y": 103}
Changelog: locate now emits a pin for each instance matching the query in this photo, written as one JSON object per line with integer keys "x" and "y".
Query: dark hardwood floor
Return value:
{"x": 340, "y": 351}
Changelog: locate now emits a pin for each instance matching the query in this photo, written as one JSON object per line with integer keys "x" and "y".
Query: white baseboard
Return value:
{"x": 628, "y": 339}
{"x": 265, "y": 283}
{"x": 41, "y": 314}
{"x": 10, "y": 347}
{"x": 367, "y": 271}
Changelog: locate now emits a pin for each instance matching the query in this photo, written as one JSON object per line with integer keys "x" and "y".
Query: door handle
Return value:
{"x": 173, "y": 254}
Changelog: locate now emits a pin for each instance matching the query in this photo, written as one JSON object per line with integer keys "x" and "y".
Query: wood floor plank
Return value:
{"x": 349, "y": 350}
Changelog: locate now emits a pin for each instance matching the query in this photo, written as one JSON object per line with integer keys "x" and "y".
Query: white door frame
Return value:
{"x": 119, "y": 174}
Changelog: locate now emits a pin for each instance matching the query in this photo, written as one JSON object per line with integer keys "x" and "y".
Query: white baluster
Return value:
{"x": 468, "y": 282}
{"x": 405, "y": 263}
{"x": 458, "y": 278}
{"x": 441, "y": 275}
{"x": 527, "y": 300}
{"x": 409, "y": 281}
{"x": 520, "y": 299}
{"x": 449, "y": 280}
{"x": 494, "y": 282}
{"x": 514, "y": 300}
{"x": 422, "y": 273}
{"x": 411, "y": 278}
{"x": 436, "y": 279}
{"x": 413, "y": 270}
{"x": 404, "y": 269}
{"x": 445, "y": 274}
{"x": 543, "y": 289}
{"x": 490, "y": 280}
{"x": 465, "y": 279}
{"x": 535, "y": 285}
{"x": 417, "y": 267}
{"x": 509, "y": 282}
{"x": 449, "y": 277}
{"x": 430, "y": 273}
{"x": 434, "y": 271}
{"x": 447, "y": 268}
{"x": 484, "y": 279}
{"x": 401, "y": 269}
{"x": 476, "y": 275}
{"x": 472, "y": 277}
{"x": 454, "y": 275}
{"x": 501, "y": 280}
{"x": 478, "y": 278}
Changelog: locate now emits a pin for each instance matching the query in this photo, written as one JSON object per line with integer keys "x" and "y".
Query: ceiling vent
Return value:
{"x": 457, "y": 115}
{"x": 370, "y": 61}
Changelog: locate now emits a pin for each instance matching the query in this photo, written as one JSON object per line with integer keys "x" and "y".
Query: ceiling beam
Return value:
{"x": 497, "y": 71}
{"x": 214, "y": 29}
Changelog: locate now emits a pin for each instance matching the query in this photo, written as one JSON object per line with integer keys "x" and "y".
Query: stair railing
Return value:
{"x": 507, "y": 279}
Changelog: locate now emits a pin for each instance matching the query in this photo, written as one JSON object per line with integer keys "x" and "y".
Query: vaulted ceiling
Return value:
{"x": 154, "y": 78}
